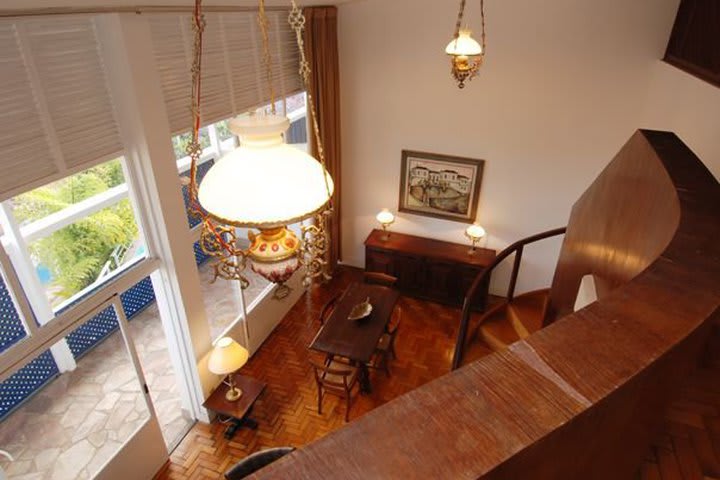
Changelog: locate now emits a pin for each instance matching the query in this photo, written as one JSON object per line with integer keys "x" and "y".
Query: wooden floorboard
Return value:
{"x": 689, "y": 448}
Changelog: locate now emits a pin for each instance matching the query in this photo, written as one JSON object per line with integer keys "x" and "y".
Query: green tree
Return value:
{"x": 77, "y": 253}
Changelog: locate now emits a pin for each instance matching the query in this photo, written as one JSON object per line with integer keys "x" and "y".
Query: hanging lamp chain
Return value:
{"x": 267, "y": 60}
{"x": 315, "y": 238}
{"x": 458, "y": 24}
{"x": 297, "y": 22}
{"x": 193, "y": 149}
{"x": 218, "y": 241}
{"x": 482, "y": 25}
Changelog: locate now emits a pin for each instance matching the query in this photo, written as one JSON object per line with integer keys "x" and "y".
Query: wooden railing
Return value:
{"x": 584, "y": 396}
{"x": 468, "y": 303}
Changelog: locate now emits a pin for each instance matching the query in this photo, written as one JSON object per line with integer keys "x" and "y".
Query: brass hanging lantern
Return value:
{"x": 466, "y": 54}
{"x": 263, "y": 184}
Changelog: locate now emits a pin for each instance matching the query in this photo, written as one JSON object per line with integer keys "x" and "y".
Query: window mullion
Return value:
{"x": 20, "y": 300}
{"x": 25, "y": 268}
{"x": 214, "y": 139}
{"x": 32, "y": 288}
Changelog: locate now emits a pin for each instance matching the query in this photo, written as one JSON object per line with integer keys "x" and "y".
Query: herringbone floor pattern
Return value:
{"x": 287, "y": 410}
{"x": 287, "y": 413}
{"x": 689, "y": 448}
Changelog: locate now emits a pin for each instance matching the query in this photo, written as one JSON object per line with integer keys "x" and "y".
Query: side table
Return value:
{"x": 239, "y": 411}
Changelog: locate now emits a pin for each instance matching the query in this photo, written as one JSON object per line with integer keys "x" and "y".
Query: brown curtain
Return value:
{"x": 321, "y": 49}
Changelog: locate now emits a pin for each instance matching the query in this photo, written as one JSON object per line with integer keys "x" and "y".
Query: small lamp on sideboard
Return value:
{"x": 226, "y": 358}
{"x": 386, "y": 218}
{"x": 474, "y": 232}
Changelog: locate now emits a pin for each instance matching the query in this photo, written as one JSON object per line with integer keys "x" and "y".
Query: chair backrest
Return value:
{"x": 322, "y": 371}
{"x": 395, "y": 321}
{"x": 328, "y": 308}
{"x": 377, "y": 278}
{"x": 256, "y": 461}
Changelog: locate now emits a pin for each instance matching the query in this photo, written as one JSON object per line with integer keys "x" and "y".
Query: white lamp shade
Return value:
{"x": 464, "y": 45}
{"x": 475, "y": 231}
{"x": 264, "y": 183}
{"x": 385, "y": 217}
{"x": 227, "y": 356}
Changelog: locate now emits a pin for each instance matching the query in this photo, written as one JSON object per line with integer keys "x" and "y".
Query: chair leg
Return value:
{"x": 347, "y": 407}
{"x": 320, "y": 399}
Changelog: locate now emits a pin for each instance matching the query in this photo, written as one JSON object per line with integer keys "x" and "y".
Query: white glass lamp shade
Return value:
{"x": 227, "y": 356}
{"x": 264, "y": 183}
{"x": 385, "y": 217}
{"x": 475, "y": 232}
{"x": 464, "y": 45}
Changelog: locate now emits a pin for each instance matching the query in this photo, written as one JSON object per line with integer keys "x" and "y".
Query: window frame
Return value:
{"x": 45, "y": 325}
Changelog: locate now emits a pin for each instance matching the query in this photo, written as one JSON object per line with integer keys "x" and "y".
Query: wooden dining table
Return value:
{"x": 356, "y": 339}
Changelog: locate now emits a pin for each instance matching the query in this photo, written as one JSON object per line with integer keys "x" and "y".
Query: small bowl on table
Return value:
{"x": 361, "y": 310}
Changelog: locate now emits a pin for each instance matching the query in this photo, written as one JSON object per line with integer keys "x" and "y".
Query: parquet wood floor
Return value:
{"x": 689, "y": 448}
{"x": 287, "y": 410}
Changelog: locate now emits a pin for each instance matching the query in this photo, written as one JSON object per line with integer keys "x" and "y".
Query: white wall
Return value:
{"x": 563, "y": 87}
{"x": 688, "y": 106}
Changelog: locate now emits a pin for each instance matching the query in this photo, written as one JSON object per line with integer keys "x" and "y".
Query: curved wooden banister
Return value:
{"x": 584, "y": 396}
{"x": 517, "y": 249}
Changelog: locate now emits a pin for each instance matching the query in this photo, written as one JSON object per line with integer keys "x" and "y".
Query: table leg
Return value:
{"x": 364, "y": 379}
{"x": 236, "y": 424}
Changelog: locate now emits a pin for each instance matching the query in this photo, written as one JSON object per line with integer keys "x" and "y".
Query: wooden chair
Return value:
{"x": 328, "y": 308}
{"x": 377, "y": 278}
{"x": 386, "y": 345}
{"x": 336, "y": 378}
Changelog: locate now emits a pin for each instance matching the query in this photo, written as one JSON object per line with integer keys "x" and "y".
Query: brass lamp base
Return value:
{"x": 233, "y": 394}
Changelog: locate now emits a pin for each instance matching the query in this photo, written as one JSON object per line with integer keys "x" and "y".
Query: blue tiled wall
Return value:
{"x": 11, "y": 327}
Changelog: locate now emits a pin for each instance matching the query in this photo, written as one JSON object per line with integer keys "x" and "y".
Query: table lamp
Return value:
{"x": 386, "y": 218}
{"x": 474, "y": 232}
{"x": 226, "y": 358}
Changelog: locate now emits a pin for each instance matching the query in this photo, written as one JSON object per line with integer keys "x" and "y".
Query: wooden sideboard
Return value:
{"x": 426, "y": 268}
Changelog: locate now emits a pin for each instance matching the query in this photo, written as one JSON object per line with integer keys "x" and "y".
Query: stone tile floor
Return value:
{"x": 71, "y": 427}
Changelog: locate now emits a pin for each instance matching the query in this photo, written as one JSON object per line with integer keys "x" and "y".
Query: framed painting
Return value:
{"x": 440, "y": 186}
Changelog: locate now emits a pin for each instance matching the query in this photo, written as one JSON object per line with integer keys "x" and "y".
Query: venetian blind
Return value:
{"x": 56, "y": 113}
{"x": 233, "y": 75}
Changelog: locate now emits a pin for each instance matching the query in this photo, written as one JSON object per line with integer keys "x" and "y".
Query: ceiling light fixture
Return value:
{"x": 466, "y": 53}
{"x": 263, "y": 184}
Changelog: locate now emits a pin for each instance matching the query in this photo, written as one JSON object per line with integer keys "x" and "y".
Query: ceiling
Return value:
{"x": 35, "y": 4}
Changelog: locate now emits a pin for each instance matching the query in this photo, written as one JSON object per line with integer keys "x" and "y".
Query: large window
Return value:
{"x": 74, "y": 233}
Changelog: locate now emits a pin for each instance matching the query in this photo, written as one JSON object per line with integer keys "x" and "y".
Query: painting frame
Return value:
{"x": 423, "y": 174}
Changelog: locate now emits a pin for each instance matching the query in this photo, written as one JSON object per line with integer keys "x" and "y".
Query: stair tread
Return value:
{"x": 475, "y": 351}
{"x": 529, "y": 309}
{"x": 498, "y": 332}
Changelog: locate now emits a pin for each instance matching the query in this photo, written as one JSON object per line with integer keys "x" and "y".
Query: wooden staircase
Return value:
{"x": 506, "y": 322}
{"x": 518, "y": 319}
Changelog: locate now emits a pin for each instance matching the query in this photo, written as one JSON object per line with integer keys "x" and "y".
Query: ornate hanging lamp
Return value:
{"x": 466, "y": 54}
{"x": 263, "y": 184}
